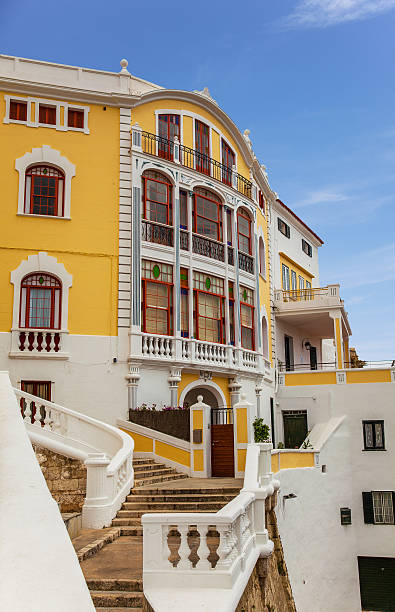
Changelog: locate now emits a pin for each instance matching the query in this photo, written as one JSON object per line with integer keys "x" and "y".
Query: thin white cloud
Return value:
{"x": 325, "y": 13}
{"x": 321, "y": 196}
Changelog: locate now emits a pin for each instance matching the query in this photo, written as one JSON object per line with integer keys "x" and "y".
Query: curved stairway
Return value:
{"x": 114, "y": 574}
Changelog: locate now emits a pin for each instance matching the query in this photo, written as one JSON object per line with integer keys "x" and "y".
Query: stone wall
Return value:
{"x": 268, "y": 589}
{"x": 66, "y": 478}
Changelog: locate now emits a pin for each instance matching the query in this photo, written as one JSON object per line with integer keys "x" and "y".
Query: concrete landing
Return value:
{"x": 123, "y": 558}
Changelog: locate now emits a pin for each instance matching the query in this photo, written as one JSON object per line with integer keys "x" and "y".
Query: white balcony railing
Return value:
{"x": 106, "y": 451}
{"x": 39, "y": 343}
{"x": 211, "y": 551}
{"x": 302, "y": 298}
{"x": 195, "y": 352}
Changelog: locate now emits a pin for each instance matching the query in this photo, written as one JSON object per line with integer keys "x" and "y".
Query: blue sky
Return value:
{"x": 312, "y": 80}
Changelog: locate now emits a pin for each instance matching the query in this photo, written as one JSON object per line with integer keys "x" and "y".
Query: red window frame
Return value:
{"x": 40, "y": 388}
{"x": 196, "y": 314}
{"x": 261, "y": 202}
{"x": 18, "y": 110}
{"x": 184, "y": 306}
{"x": 228, "y": 160}
{"x": 202, "y": 146}
{"x": 183, "y": 210}
{"x": 218, "y": 223}
{"x": 244, "y": 215}
{"x": 146, "y": 177}
{"x": 52, "y": 284}
{"x": 252, "y": 328}
{"x": 169, "y": 308}
{"x": 40, "y": 190}
{"x": 165, "y": 123}
{"x": 75, "y": 118}
{"x": 47, "y": 114}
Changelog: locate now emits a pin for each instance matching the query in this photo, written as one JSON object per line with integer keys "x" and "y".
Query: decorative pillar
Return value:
{"x": 234, "y": 387}
{"x": 337, "y": 334}
{"x": 136, "y": 137}
{"x": 174, "y": 379}
{"x": 133, "y": 379}
{"x": 242, "y": 426}
{"x": 200, "y": 439}
{"x": 258, "y": 391}
{"x": 96, "y": 500}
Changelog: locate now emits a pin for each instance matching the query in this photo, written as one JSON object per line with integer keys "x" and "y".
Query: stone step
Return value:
{"x": 117, "y": 599}
{"x": 119, "y": 609}
{"x": 155, "y": 471}
{"x": 169, "y": 506}
{"x": 156, "y": 479}
{"x": 115, "y": 584}
{"x": 201, "y": 492}
{"x": 178, "y": 497}
{"x": 130, "y": 528}
{"x": 142, "y": 467}
{"x": 135, "y": 514}
{"x": 142, "y": 460}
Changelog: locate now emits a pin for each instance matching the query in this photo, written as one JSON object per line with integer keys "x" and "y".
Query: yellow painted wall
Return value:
{"x": 275, "y": 463}
{"x": 292, "y": 265}
{"x": 296, "y": 460}
{"x": 88, "y": 243}
{"x": 264, "y": 285}
{"x": 178, "y": 455}
{"x": 197, "y": 419}
{"x": 241, "y": 459}
{"x": 144, "y": 114}
{"x": 188, "y": 377}
{"x": 198, "y": 460}
{"x": 368, "y": 376}
{"x": 142, "y": 444}
{"x": 310, "y": 378}
{"x": 242, "y": 425}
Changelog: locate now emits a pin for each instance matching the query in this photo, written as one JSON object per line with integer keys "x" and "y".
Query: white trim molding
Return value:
{"x": 32, "y": 115}
{"x": 39, "y": 155}
{"x": 210, "y": 386}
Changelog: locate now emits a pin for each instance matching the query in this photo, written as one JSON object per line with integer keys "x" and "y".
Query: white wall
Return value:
{"x": 301, "y": 354}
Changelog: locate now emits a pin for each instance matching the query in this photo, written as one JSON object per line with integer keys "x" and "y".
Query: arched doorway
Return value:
{"x": 221, "y": 429}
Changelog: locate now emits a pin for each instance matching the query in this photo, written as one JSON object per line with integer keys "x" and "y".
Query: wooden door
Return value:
{"x": 222, "y": 446}
{"x": 295, "y": 428}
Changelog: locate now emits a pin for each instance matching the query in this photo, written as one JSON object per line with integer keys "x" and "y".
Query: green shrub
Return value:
{"x": 261, "y": 431}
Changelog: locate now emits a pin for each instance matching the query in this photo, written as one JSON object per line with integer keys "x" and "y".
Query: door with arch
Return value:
{"x": 221, "y": 428}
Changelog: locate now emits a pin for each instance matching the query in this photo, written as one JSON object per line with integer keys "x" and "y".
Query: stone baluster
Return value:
{"x": 156, "y": 346}
{"x": 47, "y": 418}
{"x": 28, "y": 412}
{"x": 161, "y": 346}
{"x": 203, "y": 550}
{"x": 184, "y": 551}
{"x": 225, "y": 547}
{"x": 145, "y": 345}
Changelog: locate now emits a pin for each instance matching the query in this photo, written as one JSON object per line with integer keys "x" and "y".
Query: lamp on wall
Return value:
{"x": 307, "y": 345}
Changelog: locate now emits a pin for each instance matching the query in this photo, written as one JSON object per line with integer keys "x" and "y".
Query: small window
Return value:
{"x": 247, "y": 318}
{"x": 47, "y": 114}
{"x": 228, "y": 161}
{"x": 285, "y": 277}
{"x": 244, "y": 231}
{"x": 169, "y": 128}
{"x": 283, "y": 227}
{"x": 75, "y": 118}
{"x": 306, "y": 248}
{"x": 37, "y": 387}
{"x": 202, "y": 145}
{"x": 183, "y": 210}
{"x": 18, "y": 111}
{"x": 293, "y": 280}
{"x": 207, "y": 214}
{"x": 261, "y": 202}
{"x": 373, "y": 435}
{"x": 378, "y": 507}
{"x": 301, "y": 283}
{"x": 157, "y": 297}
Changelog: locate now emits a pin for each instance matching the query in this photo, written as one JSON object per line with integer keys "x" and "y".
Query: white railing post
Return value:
{"x": 96, "y": 488}
{"x": 136, "y": 137}
{"x": 176, "y": 154}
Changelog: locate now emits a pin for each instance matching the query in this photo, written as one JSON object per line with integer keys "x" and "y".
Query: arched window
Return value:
{"x": 207, "y": 212}
{"x": 40, "y": 303}
{"x": 157, "y": 195}
{"x": 244, "y": 231}
{"x": 44, "y": 191}
{"x": 262, "y": 258}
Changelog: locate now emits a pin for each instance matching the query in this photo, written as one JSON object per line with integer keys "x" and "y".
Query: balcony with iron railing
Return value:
{"x": 191, "y": 158}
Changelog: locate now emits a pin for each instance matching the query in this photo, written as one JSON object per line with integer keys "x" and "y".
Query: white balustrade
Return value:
{"x": 157, "y": 346}
{"x": 250, "y": 359}
{"x": 106, "y": 451}
{"x": 212, "y": 550}
{"x": 39, "y": 343}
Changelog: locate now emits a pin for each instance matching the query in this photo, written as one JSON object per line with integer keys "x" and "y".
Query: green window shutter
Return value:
{"x": 393, "y": 505}
{"x": 367, "y": 500}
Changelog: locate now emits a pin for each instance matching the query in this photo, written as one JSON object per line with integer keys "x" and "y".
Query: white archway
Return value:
{"x": 210, "y": 386}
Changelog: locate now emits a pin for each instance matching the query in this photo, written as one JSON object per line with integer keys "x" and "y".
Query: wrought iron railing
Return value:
{"x": 156, "y": 232}
{"x": 184, "y": 240}
{"x": 231, "y": 256}
{"x": 295, "y": 367}
{"x": 190, "y": 158}
{"x": 207, "y": 247}
{"x": 246, "y": 263}
{"x": 221, "y": 416}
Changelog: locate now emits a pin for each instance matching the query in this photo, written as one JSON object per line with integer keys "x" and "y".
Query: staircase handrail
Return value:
{"x": 107, "y": 454}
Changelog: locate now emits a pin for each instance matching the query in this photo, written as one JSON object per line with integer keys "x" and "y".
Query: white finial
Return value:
{"x": 124, "y": 64}
{"x": 200, "y": 399}
{"x": 243, "y": 396}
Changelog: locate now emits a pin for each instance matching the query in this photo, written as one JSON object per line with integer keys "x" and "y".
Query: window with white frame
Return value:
{"x": 293, "y": 280}
{"x": 35, "y": 112}
{"x": 285, "y": 277}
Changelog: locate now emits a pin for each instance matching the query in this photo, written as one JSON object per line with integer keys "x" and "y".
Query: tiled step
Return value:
{"x": 115, "y": 584}
{"x": 169, "y": 506}
{"x": 117, "y": 599}
{"x": 157, "y": 479}
{"x": 136, "y": 499}
{"x": 201, "y": 492}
